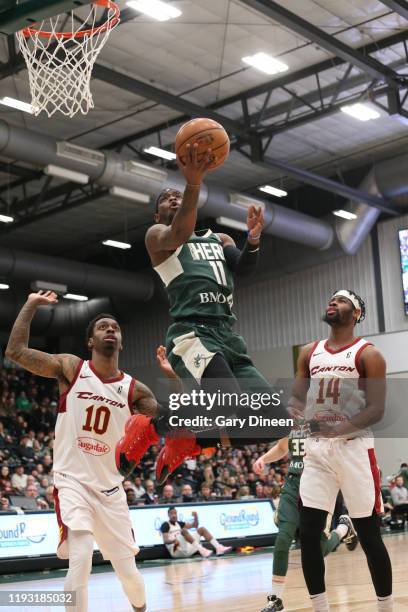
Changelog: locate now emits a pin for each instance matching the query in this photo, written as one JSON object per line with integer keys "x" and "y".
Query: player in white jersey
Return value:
{"x": 96, "y": 400}
{"x": 340, "y": 390}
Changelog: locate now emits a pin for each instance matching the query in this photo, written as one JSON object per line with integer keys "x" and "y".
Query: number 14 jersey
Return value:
{"x": 91, "y": 419}
{"x": 337, "y": 391}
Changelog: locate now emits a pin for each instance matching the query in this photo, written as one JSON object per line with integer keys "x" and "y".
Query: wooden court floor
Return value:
{"x": 240, "y": 584}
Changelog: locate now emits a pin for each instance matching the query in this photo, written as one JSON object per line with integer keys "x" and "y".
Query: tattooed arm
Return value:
{"x": 62, "y": 367}
{"x": 144, "y": 400}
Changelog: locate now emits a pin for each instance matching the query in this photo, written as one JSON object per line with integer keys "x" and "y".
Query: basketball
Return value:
{"x": 207, "y": 133}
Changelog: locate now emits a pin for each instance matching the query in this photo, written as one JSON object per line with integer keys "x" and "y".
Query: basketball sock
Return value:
{"x": 320, "y": 602}
{"x": 277, "y": 588}
{"x": 80, "y": 547}
{"x": 385, "y": 604}
{"x": 131, "y": 580}
{"x": 341, "y": 531}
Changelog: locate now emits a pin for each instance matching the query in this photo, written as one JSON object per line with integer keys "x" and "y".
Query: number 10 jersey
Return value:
{"x": 91, "y": 419}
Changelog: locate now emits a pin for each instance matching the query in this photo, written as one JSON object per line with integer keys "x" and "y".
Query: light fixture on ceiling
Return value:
{"x": 120, "y": 192}
{"x": 160, "y": 153}
{"x": 265, "y": 63}
{"x": 75, "y": 297}
{"x": 4, "y": 286}
{"x": 344, "y": 214}
{"x": 18, "y": 105}
{"x": 279, "y": 193}
{"x": 359, "y": 111}
{"x": 239, "y": 225}
{"x": 6, "y": 219}
{"x": 117, "y": 244}
{"x": 70, "y": 175}
{"x": 162, "y": 11}
{"x": 242, "y": 201}
{"x": 39, "y": 285}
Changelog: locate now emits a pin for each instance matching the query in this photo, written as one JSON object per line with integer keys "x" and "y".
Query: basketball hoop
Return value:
{"x": 60, "y": 60}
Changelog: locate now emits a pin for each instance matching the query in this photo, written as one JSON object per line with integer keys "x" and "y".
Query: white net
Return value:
{"x": 60, "y": 53}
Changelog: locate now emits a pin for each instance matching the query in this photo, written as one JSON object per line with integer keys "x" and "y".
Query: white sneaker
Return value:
{"x": 221, "y": 550}
{"x": 204, "y": 552}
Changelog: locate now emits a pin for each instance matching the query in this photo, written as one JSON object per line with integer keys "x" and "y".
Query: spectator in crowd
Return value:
{"x": 259, "y": 491}
{"x": 399, "y": 496}
{"x": 182, "y": 543}
{"x": 178, "y": 485}
{"x": 168, "y": 495}
{"x": 244, "y": 493}
{"x": 150, "y": 496}
{"x": 31, "y": 491}
{"x": 139, "y": 489}
{"x": 206, "y": 495}
{"x": 49, "y": 496}
{"x": 404, "y": 473}
{"x": 19, "y": 479}
{"x": 187, "y": 494}
{"x": 23, "y": 404}
{"x": 131, "y": 497}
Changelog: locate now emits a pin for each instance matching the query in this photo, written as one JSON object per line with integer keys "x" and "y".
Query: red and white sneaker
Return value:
{"x": 175, "y": 451}
{"x": 222, "y": 550}
{"x": 139, "y": 436}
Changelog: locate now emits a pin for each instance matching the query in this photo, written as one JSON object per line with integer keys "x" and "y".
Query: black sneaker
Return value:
{"x": 274, "y": 604}
{"x": 351, "y": 538}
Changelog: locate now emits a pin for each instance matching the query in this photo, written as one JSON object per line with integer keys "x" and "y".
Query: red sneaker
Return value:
{"x": 139, "y": 436}
{"x": 176, "y": 450}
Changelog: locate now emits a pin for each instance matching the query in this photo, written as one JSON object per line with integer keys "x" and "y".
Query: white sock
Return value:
{"x": 277, "y": 588}
{"x": 132, "y": 581}
{"x": 80, "y": 549}
{"x": 320, "y": 602}
{"x": 385, "y": 604}
{"x": 215, "y": 543}
{"x": 341, "y": 531}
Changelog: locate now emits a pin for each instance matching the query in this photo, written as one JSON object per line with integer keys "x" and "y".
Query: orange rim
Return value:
{"x": 114, "y": 20}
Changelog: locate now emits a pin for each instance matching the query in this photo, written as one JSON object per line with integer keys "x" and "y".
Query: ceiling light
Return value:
{"x": 116, "y": 244}
{"x": 238, "y": 199}
{"x": 265, "y": 63}
{"x": 360, "y": 111}
{"x": 120, "y": 192}
{"x": 18, "y": 104}
{"x": 74, "y": 296}
{"x": 279, "y": 193}
{"x": 155, "y": 8}
{"x": 160, "y": 153}
{"x": 39, "y": 285}
{"x": 345, "y": 214}
{"x": 4, "y": 286}
{"x": 70, "y": 175}
{"x": 239, "y": 225}
{"x": 6, "y": 219}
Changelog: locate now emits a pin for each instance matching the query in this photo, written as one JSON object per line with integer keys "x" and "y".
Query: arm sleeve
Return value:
{"x": 165, "y": 527}
{"x": 182, "y": 524}
{"x": 242, "y": 263}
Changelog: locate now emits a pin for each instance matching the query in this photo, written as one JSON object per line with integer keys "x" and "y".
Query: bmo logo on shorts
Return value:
{"x": 92, "y": 446}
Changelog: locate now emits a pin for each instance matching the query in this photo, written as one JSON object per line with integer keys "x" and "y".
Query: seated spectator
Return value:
{"x": 178, "y": 485}
{"x": 275, "y": 496}
{"x": 5, "y": 477}
{"x": 19, "y": 479}
{"x": 206, "y": 495}
{"x": 404, "y": 473}
{"x": 181, "y": 543}
{"x": 259, "y": 491}
{"x": 244, "y": 493}
{"x": 150, "y": 496}
{"x": 399, "y": 496}
{"x": 49, "y": 496}
{"x": 5, "y": 505}
{"x": 168, "y": 495}
{"x": 131, "y": 497}
{"x": 187, "y": 494}
{"x": 23, "y": 404}
{"x": 139, "y": 489}
{"x": 31, "y": 491}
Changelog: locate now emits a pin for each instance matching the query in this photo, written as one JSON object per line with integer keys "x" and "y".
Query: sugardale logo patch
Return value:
{"x": 92, "y": 446}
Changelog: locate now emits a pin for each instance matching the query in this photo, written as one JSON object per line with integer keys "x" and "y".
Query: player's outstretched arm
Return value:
{"x": 60, "y": 366}
{"x": 144, "y": 400}
{"x": 166, "y": 238}
{"x": 165, "y": 366}
{"x": 194, "y": 524}
{"x": 245, "y": 262}
{"x": 278, "y": 451}
{"x": 297, "y": 401}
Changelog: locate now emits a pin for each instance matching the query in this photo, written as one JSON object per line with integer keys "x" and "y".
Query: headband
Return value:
{"x": 351, "y": 297}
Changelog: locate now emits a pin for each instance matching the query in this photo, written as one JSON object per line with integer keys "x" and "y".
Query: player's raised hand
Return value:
{"x": 192, "y": 168}
{"x": 163, "y": 362}
{"x": 255, "y": 223}
{"x": 259, "y": 466}
{"x": 43, "y": 298}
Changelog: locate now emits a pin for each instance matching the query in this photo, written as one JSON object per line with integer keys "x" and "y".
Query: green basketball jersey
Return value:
{"x": 197, "y": 279}
{"x": 296, "y": 450}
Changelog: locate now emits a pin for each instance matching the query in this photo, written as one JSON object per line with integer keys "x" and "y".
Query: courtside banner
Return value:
{"x": 31, "y": 535}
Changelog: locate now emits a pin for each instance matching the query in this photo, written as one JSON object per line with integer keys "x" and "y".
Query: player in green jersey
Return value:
{"x": 287, "y": 515}
{"x": 197, "y": 269}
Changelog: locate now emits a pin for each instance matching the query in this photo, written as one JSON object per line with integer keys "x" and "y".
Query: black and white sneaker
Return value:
{"x": 274, "y": 604}
{"x": 351, "y": 538}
